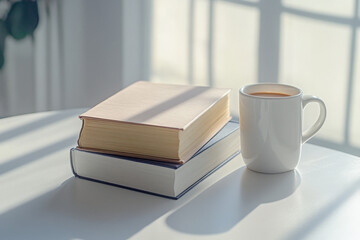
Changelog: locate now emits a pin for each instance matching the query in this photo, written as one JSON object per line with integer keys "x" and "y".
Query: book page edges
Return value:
{"x": 81, "y": 130}
{"x": 134, "y": 155}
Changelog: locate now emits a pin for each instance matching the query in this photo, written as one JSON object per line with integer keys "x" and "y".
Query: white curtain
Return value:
{"x": 82, "y": 52}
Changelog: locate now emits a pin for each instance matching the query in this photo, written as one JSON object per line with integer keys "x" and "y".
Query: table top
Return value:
{"x": 40, "y": 198}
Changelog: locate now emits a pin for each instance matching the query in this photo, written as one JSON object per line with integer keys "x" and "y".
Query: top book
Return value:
{"x": 156, "y": 121}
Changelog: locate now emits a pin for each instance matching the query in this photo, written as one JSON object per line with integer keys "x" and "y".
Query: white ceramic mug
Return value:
{"x": 271, "y": 127}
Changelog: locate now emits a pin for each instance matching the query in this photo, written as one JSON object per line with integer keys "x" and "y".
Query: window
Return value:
{"x": 230, "y": 43}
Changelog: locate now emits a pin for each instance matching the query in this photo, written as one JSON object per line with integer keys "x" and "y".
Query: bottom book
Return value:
{"x": 158, "y": 178}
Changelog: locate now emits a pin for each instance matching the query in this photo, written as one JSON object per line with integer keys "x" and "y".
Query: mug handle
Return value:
{"x": 309, "y": 133}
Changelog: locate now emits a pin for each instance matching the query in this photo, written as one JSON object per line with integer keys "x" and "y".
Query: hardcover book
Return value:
{"x": 159, "y": 178}
{"x": 156, "y": 121}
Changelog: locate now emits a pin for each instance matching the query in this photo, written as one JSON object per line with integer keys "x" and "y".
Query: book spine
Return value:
{"x": 72, "y": 158}
{"x": 125, "y": 187}
{"x": 81, "y": 130}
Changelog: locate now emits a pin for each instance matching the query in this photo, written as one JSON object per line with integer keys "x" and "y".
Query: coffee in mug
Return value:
{"x": 269, "y": 94}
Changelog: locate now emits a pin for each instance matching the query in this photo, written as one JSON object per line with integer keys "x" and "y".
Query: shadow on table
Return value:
{"x": 231, "y": 200}
{"x": 326, "y": 211}
{"x": 37, "y": 154}
{"x": 84, "y": 210}
{"x": 51, "y": 118}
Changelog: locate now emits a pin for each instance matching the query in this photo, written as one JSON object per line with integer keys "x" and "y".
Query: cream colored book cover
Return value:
{"x": 155, "y": 104}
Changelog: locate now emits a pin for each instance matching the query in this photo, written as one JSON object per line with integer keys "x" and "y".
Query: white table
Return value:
{"x": 40, "y": 199}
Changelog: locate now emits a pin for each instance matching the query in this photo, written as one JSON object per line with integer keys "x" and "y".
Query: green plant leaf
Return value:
{"x": 3, "y": 30}
{"x": 22, "y": 19}
{"x": 2, "y": 59}
{"x": 3, "y": 33}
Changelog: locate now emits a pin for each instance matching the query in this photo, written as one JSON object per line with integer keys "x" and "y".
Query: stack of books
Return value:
{"x": 156, "y": 138}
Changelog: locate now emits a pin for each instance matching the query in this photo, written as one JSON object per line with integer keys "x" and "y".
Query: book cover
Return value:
{"x": 155, "y": 104}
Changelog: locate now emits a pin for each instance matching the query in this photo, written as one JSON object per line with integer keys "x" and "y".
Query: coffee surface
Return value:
{"x": 270, "y": 94}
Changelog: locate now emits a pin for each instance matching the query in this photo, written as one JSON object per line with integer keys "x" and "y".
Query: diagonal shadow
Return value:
{"x": 342, "y": 147}
{"x": 190, "y": 60}
{"x": 269, "y": 41}
{"x": 349, "y": 94}
{"x": 84, "y": 210}
{"x": 25, "y": 159}
{"x": 231, "y": 199}
{"x": 244, "y": 2}
{"x": 211, "y": 30}
{"x": 322, "y": 17}
{"x": 303, "y": 231}
{"x": 7, "y": 135}
{"x": 165, "y": 106}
